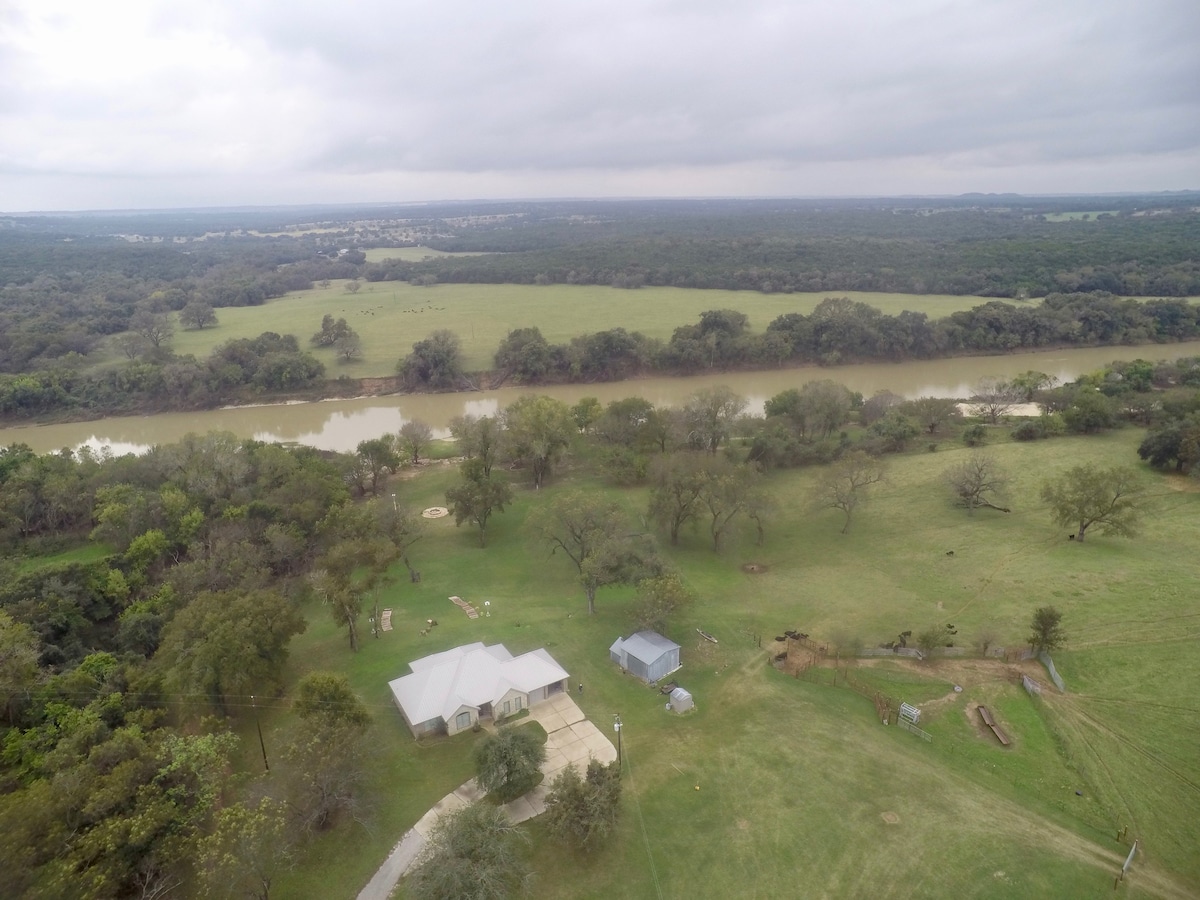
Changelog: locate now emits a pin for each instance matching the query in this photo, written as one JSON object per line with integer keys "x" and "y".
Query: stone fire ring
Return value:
{"x": 436, "y": 512}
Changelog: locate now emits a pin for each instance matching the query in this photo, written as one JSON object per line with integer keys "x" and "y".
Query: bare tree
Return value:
{"x": 348, "y": 347}
{"x": 154, "y": 327}
{"x": 932, "y": 412}
{"x": 728, "y": 491}
{"x": 415, "y": 436}
{"x": 994, "y": 398}
{"x": 978, "y": 480}
{"x": 678, "y": 481}
{"x": 709, "y": 415}
{"x": 844, "y": 484}
{"x": 131, "y": 345}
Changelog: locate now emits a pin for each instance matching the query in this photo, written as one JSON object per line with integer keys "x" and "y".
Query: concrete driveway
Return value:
{"x": 571, "y": 741}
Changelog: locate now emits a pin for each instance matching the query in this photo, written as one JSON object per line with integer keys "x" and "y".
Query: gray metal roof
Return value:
{"x": 646, "y": 646}
{"x": 469, "y": 676}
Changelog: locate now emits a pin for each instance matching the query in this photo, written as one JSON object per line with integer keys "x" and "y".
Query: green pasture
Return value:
{"x": 391, "y": 316}
{"x": 93, "y": 552}
{"x": 796, "y": 775}
{"x": 408, "y": 254}
{"x": 1078, "y": 215}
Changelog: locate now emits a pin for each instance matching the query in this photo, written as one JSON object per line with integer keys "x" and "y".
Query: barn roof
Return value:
{"x": 645, "y": 646}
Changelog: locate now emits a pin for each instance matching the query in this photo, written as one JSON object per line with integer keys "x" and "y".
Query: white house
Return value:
{"x": 451, "y": 691}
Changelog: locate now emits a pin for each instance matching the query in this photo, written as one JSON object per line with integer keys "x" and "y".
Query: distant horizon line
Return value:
{"x": 252, "y": 207}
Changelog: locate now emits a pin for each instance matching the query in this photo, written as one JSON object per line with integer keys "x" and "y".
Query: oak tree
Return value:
{"x": 1087, "y": 495}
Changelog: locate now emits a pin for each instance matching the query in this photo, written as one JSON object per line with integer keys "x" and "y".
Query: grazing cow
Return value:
{"x": 949, "y": 552}
{"x": 1070, "y": 537}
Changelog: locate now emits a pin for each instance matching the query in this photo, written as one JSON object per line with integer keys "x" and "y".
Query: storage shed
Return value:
{"x": 647, "y": 654}
{"x": 681, "y": 700}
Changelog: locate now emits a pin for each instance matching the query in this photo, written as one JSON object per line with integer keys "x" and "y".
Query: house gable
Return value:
{"x": 444, "y": 686}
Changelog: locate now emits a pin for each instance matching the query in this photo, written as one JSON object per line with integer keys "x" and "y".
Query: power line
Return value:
{"x": 645, "y": 835}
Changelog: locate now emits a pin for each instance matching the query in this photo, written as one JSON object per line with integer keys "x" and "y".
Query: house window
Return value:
{"x": 507, "y": 707}
{"x": 518, "y": 702}
{"x": 462, "y": 720}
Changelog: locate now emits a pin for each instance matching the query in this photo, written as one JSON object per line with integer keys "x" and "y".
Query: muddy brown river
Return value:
{"x": 341, "y": 424}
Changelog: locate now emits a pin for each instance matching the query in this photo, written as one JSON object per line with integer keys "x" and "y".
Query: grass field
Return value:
{"x": 1080, "y": 215}
{"x": 391, "y": 316}
{"x": 408, "y": 254}
{"x": 795, "y": 776}
{"x": 88, "y": 553}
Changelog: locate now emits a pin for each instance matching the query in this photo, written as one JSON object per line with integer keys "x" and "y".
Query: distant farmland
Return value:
{"x": 391, "y": 315}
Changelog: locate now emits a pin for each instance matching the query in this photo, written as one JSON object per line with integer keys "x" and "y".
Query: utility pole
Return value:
{"x": 617, "y": 729}
{"x": 261, "y": 742}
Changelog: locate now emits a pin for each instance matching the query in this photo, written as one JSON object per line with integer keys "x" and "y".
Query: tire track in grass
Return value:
{"x": 1096, "y": 699}
{"x": 1003, "y": 564}
{"x": 1121, "y": 739}
{"x": 1069, "y": 718}
{"x": 1083, "y": 721}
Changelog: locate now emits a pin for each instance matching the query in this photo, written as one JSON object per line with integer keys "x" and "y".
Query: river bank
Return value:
{"x": 340, "y": 424}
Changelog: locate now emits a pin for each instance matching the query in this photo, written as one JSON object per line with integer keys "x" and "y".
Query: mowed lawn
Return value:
{"x": 391, "y": 316}
{"x": 802, "y": 792}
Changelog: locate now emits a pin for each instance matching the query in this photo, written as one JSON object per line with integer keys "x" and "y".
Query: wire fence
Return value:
{"x": 1046, "y": 661}
{"x": 913, "y": 729}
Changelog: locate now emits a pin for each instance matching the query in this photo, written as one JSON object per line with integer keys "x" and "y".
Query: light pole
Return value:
{"x": 617, "y": 729}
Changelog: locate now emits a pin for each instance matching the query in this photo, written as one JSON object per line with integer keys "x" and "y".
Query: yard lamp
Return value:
{"x": 617, "y": 729}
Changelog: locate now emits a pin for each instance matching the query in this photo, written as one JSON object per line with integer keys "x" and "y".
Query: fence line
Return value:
{"x": 884, "y": 651}
{"x": 910, "y": 727}
{"x": 1054, "y": 676}
{"x": 1031, "y": 687}
{"x": 809, "y": 644}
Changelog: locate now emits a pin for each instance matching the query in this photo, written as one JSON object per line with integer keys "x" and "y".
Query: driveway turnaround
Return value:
{"x": 571, "y": 741}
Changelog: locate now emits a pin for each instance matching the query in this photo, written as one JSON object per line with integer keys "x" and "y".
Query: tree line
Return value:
{"x": 839, "y": 330}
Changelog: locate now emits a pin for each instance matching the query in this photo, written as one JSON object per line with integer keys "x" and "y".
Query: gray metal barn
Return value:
{"x": 647, "y": 654}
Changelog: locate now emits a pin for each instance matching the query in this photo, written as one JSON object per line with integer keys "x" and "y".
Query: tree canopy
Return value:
{"x": 1087, "y": 495}
{"x": 506, "y": 763}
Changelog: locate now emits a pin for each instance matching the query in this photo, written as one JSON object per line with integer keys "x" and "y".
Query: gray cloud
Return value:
{"x": 296, "y": 102}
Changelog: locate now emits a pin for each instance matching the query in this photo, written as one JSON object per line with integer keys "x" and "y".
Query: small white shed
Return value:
{"x": 681, "y": 700}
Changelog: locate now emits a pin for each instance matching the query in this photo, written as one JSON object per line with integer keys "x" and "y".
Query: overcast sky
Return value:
{"x": 159, "y": 103}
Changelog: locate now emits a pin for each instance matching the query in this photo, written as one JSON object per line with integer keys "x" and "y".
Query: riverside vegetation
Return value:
{"x": 161, "y": 610}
